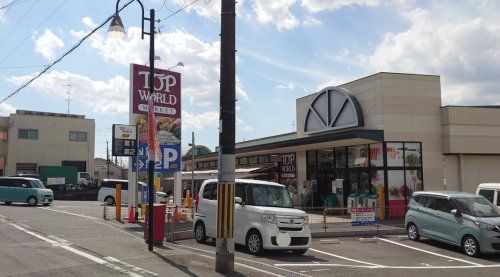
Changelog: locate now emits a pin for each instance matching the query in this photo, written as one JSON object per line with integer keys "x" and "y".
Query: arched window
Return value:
{"x": 333, "y": 109}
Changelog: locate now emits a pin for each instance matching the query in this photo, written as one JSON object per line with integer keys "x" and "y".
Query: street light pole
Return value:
{"x": 117, "y": 26}
{"x": 193, "y": 186}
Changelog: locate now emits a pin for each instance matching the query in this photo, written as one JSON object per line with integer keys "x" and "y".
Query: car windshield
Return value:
{"x": 271, "y": 196}
{"x": 477, "y": 206}
{"x": 37, "y": 184}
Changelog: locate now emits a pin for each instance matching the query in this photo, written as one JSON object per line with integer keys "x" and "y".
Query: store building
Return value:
{"x": 385, "y": 134}
{"x": 29, "y": 139}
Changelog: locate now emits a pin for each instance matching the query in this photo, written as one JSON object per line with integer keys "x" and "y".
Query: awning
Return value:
{"x": 212, "y": 174}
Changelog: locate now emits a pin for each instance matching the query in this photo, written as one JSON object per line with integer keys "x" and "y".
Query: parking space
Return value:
{"x": 383, "y": 255}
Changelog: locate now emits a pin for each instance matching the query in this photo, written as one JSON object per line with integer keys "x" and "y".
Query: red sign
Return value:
{"x": 166, "y": 93}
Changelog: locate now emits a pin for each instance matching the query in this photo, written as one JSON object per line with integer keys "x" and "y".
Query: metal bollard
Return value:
{"x": 104, "y": 215}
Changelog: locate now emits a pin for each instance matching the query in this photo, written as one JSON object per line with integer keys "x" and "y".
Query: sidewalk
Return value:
{"x": 336, "y": 226}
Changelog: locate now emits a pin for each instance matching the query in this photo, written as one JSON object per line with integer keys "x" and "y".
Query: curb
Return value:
{"x": 358, "y": 233}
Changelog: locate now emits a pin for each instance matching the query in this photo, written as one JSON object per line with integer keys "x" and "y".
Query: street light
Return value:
{"x": 157, "y": 58}
{"x": 178, "y": 64}
{"x": 116, "y": 29}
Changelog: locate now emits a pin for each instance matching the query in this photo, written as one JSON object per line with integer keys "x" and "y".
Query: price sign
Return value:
{"x": 124, "y": 140}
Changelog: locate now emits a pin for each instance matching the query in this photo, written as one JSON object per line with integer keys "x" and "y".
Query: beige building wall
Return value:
{"x": 101, "y": 172}
{"x": 407, "y": 107}
{"x": 53, "y": 145}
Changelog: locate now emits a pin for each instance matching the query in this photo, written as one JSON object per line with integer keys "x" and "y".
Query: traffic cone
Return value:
{"x": 176, "y": 214}
{"x": 131, "y": 218}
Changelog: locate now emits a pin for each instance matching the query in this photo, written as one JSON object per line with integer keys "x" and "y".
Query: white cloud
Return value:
{"x": 464, "y": 50}
{"x": 104, "y": 97}
{"x": 322, "y": 5}
{"x": 6, "y": 109}
{"x": 288, "y": 86}
{"x": 201, "y": 59}
{"x": 46, "y": 44}
{"x": 247, "y": 129}
{"x": 198, "y": 122}
{"x": 276, "y": 12}
{"x": 87, "y": 21}
{"x": 311, "y": 21}
{"x": 207, "y": 9}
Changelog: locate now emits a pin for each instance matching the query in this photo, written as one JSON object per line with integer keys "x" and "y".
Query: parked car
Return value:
{"x": 24, "y": 190}
{"x": 107, "y": 192}
{"x": 491, "y": 192}
{"x": 264, "y": 217}
{"x": 458, "y": 218}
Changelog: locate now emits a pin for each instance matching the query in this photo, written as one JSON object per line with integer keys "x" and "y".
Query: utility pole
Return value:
{"x": 107, "y": 158}
{"x": 193, "y": 185}
{"x": 224, "y": 258}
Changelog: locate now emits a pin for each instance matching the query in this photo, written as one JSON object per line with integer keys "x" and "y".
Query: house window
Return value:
{"x": 77, "y": 136}
{"x": 28, "y": 133}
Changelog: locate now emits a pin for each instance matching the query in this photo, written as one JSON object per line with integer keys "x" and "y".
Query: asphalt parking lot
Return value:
{"x": 78, "y": 225}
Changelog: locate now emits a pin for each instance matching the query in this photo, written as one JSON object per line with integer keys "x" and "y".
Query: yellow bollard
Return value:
{"x": 143, "y": 210}
{"x": 188, "y": 199}
{"x": 381, "y": 203}
{"x": 118, "y": 202}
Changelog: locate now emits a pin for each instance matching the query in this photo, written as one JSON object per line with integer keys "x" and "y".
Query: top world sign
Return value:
{"x": 166, "y": 93}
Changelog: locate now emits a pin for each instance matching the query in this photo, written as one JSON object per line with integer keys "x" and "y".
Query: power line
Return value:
{"x": 25, "y": 66}
{"x": 13, "y": 3}
{"x": 79, "y": 43}
{"x": 179, "y": 10}
{"x": 18, "y": 22}
{"x": 64, "y": 55}
{"x": 28, "y": 36}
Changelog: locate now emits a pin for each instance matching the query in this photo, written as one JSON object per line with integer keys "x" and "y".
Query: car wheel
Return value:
{"x": 413, "y": 232}
{"x": 470, "y": 246}
{"x": 299, "y": 252}
{"x": 8, "y": 203}
{"x": 254, "y": 243}
{"x": 32, "y": 201}
{"x": 200, "y": 233}
{"x": 110, "y": 200}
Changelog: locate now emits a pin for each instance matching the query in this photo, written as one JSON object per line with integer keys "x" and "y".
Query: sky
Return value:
{"x": 286, "y": 49}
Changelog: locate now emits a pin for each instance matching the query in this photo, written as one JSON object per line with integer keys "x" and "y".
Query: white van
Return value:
{"x": 264, "y": 217}
{"x": 491, "y": 192}
{"x": 107, "y": 192}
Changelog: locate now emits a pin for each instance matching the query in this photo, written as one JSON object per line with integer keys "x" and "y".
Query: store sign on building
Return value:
{"x": 167, "y": 107}
{"x": 124, "y": 140}
{"x": 288, "y": 165}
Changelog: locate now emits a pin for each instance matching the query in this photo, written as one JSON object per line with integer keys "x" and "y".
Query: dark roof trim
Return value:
{"x": 485, "y": 107}
{"x": 375, "y": 135}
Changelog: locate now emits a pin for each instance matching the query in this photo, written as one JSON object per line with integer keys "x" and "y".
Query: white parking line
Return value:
{"x": 77, "y": 252}
{"x": 65, "y": 212}
{"x": 237, "y": 258}
{"x": 344, "y": 258}
{"x": 430, "y": 252}
{"x": 388, "y": 267}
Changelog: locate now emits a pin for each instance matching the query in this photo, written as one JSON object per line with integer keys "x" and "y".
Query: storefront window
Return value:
{"x": 340, "y": 157}
{"x": 377, "y": 182}
{"x": 311, "y": 158}
{"x": 395, "y": 154}
{"x": 398, "y": 192}
{"x": 376, "y": 155}
{"x": 358, "y": 156}
{"x": 414, "y": 180}
{"x": 325, "y": 158}
{"x": 413, "y": 155}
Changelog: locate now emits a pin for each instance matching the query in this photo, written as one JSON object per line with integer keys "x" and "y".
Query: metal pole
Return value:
{"x": 193, "y": 186}
{"x": 137, "y": 174}
{"x": 224, "y": 258}
{"x": 151, "y": 164}
{"x": 107, "y": 158}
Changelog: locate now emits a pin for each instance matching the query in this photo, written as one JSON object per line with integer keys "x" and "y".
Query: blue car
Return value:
{"x": 458, "y": 218}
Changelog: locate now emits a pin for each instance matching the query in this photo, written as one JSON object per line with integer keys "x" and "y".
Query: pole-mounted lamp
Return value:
{"x": 178, "y": 64}
{"x": 116, "y": 29}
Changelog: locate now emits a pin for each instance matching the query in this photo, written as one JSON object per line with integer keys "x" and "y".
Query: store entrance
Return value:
{"x": 347, "y": 181}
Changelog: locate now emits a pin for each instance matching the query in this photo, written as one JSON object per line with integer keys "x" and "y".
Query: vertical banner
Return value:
{"x": 288, "y": 175}
{"x": 167, "y": 109}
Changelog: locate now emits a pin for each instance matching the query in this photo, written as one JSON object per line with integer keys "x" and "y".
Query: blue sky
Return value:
{"x": 286, "y": 49}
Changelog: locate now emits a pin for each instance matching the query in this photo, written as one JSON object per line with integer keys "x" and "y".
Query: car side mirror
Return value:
{"x": 238, "y": 200}
{"x": 456, "y": 213}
